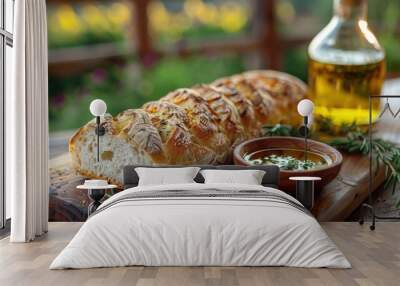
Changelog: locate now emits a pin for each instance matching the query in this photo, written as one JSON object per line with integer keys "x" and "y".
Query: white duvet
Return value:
{"x": 200, "y": 231}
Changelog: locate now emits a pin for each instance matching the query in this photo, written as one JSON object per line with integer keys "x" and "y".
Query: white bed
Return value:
{"x": 246, "y": 225}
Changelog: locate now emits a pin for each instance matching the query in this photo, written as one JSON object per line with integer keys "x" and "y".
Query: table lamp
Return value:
{"x": 305, "y": 108}
{"x": 98, "y": 108}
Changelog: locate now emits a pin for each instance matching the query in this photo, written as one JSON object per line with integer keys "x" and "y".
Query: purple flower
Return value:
{"x": 149, "y": 59}
{"x": 58, "y": 100}
{"x": 99, "y": 75}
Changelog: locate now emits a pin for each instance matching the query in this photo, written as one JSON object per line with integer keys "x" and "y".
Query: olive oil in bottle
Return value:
{"x": 346, "y": 66}
{"x": 341, "y": 91}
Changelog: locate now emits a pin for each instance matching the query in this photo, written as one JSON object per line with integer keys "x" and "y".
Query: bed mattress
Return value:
{"x": 201, "y": 225}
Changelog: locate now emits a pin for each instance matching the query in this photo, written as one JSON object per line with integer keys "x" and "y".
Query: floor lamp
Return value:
{"x": 368, "y": 206}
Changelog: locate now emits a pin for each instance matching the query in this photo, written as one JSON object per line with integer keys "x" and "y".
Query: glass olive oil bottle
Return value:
{"x": 346, "y": 65}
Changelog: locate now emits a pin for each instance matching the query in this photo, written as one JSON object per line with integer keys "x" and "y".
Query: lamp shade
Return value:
{"x": 305, "y": 107}
{"x": 98, "y": 107}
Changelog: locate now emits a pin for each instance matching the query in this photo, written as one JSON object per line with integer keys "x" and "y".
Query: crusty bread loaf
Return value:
{"x": 281, "y": 91}
{"x": 198, "y": 125}
{"x": 226, "y": 113}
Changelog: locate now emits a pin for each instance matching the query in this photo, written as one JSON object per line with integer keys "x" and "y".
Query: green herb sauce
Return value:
{"x": 284, "y": 162}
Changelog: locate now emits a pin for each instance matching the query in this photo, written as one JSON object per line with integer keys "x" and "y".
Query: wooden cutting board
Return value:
{"x": 346, "y": 193}
{"x": 340, "y": 198}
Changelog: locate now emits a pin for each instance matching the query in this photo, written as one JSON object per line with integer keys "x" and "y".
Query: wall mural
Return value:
{"x": 207, "y": 109}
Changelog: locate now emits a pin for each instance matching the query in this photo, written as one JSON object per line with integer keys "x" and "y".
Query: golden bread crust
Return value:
{"x": 198, "y": 125}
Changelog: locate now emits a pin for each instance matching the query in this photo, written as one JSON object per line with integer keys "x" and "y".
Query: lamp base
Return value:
{"x": 305, "y": 193}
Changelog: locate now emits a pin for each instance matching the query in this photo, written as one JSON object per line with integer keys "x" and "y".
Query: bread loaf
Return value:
{"x": 198, "y": 125}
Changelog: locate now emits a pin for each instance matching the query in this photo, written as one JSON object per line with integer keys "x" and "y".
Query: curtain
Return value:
{"x": 27, "y": 124}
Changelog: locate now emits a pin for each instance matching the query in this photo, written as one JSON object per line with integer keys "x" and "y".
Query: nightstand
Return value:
{"x": 305, "y": 190}
{"x": 96, "y": 194}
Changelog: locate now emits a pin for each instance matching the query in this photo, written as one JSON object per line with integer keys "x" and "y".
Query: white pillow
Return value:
{"x": 248, "y": 177}
{"x": 166, "y": 176}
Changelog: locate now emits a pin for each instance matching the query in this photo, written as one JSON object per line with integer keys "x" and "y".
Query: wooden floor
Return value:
{"x": 375, "y": 257}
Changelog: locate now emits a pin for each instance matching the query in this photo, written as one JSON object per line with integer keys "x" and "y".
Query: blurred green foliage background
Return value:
{"x": 127, "y": 85}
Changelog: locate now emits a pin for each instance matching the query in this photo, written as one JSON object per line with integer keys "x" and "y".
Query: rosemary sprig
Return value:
{"x": 280, "y": 130}
{"x": 384, "y": 152}
{"x": 325, "y": 125}
{"x": 354, "y": 142}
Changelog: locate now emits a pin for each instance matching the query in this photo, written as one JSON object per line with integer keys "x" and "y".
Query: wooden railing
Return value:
{"x": 266, "y": 41}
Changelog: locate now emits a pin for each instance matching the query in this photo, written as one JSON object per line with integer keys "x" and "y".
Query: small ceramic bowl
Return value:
{"x": 292, "y": 146}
